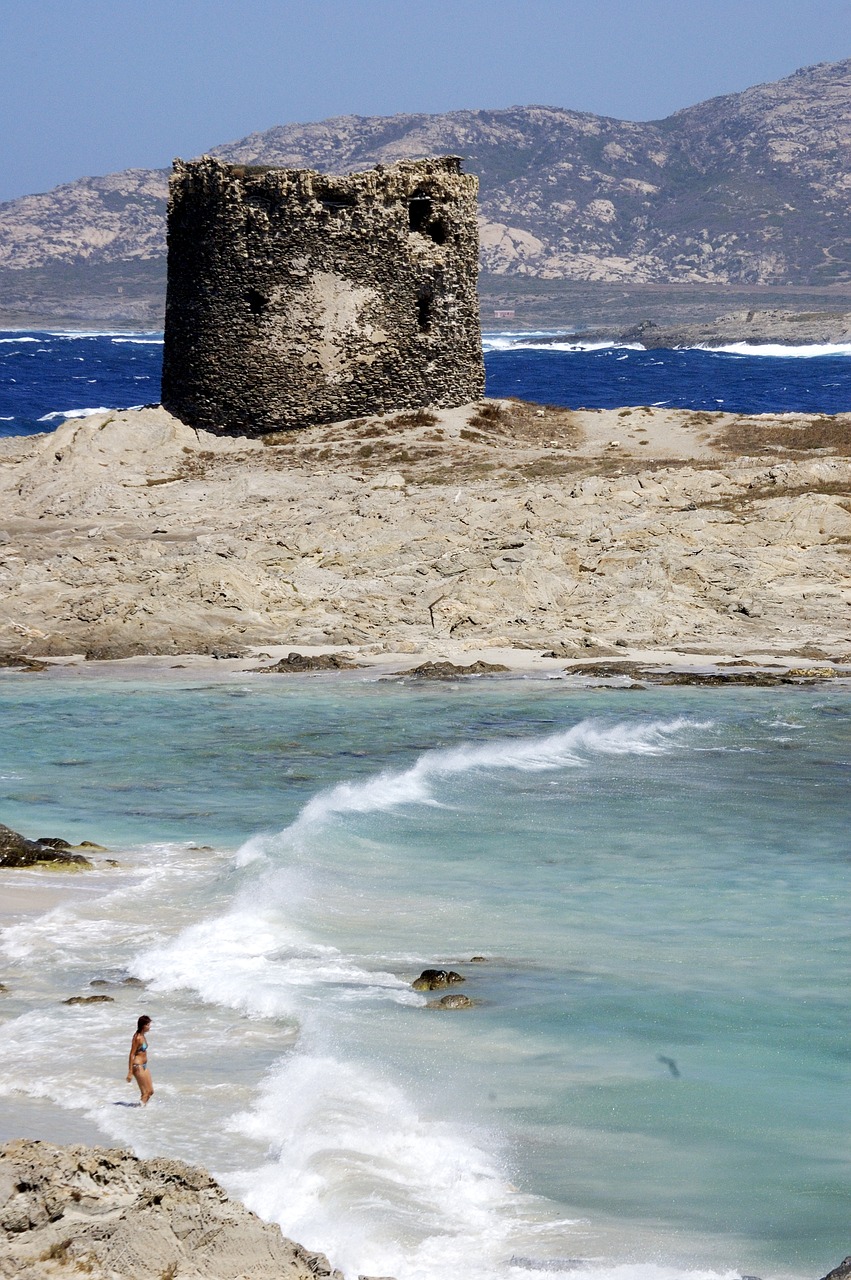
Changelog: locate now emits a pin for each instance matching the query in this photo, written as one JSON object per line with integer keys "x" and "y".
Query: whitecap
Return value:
{"x": 20, "y": 339}
{"x": 777, "y": 350}
{"x": 72, "y": 413}
{"x": 77, "y": 334}
{"x": 567, "y": 345}
{"x": 573, "y": 748}
{"x": 86, "y": 413}
{"x": 356, "y": 1167}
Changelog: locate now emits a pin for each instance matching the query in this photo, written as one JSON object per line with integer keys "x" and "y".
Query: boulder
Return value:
{"x": 842, "y": 1272}
{"x": 17, "y": 851}
{"x": 89, "y": 1000}
{"x": 456, "y": 1001}
{"x": 432, "y": 979}
{"x": 296, "y": 663}
{"x": 104, "y": 1213}
{"x": 449, "y": 671}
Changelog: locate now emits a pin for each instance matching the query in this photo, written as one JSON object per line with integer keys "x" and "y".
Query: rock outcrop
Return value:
{"x": 842, "y": 1272}
{"x": 434, "y": 979}
{"x": 103, "y": 1213}
{"x": 18, "y": 851}
{"x": 493, "y": 526}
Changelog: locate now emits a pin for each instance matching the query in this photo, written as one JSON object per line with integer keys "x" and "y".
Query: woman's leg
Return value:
{"x": 142, "y": 1076}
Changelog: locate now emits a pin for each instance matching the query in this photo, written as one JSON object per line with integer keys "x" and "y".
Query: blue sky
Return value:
{"x": 92, "y": 86}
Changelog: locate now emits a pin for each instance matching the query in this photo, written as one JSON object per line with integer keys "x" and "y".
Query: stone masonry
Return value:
{"x": 297, "y": 298}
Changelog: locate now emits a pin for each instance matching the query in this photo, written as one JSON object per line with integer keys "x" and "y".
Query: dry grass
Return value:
{"x": 747, "y": 436}
{"x": 414, "y": 418}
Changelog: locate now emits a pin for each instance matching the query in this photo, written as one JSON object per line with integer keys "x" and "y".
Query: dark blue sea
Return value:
{"x": 47, "y": 376}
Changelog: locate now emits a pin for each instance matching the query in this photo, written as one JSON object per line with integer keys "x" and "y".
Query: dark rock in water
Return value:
{"x": 133, "y": 982}
{"x": 17, "y": 851}
{"x": 478, "y": 959}
{"x": 456, "y": 1001}
{"x": 53, "y": 842}
{"x": 89, "y": 1000}
{"x": 4, "y": 990}
{"x": 19, "y": 662}
{"x": 449, "y": 671}
{"x": 295, "y": 663}
{"x": 99, "y": 982}
{"x": 701, "y": 679}
{"x": 432, "y": 979}
{"x": 842, "y": 1272}
{"x": 90, "y": 844}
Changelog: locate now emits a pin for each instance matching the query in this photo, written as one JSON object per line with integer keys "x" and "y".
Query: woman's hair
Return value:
{"x": 143, "y": 1022}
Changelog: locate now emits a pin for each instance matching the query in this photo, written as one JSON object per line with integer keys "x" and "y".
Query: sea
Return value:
{"x": 645, "y": 891}
{"x": 46, "y": 377}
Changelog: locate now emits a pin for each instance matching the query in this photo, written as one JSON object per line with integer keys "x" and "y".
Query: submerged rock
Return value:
{"x": 104, "y": 1213}
{"x": 17, "y": 851}
{"x": 432, "y": 979}
{"x": 456, "y": 1001}
{"x": 19, "y": 662}
{"x": 89, "y": 1000}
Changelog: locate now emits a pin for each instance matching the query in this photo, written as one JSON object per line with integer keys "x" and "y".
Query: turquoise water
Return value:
{"x": 654, "y": 1078}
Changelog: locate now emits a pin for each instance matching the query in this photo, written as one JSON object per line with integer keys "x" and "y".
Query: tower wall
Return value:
{"x": 297, "y": 298}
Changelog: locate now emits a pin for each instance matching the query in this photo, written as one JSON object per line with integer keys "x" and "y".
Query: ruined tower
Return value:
{"x": 297, "y": 298}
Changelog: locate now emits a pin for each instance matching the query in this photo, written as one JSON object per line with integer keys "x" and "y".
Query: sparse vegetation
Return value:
{"x": 749, "y": 436}
{"x": 413, "y": 418}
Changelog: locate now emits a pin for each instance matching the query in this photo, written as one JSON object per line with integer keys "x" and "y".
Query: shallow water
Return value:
{"x": 655, "y": 1075}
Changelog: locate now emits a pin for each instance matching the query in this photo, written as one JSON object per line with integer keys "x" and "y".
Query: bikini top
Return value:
{"x": 143, "y": 1047}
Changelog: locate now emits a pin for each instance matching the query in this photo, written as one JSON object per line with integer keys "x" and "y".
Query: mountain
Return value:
{"x": 749, "y": 189}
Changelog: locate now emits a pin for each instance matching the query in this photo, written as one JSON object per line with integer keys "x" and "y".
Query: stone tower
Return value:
{"x": 297, "y": 298}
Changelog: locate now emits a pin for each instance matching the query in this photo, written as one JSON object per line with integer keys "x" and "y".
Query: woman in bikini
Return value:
{"x": 137, "y": 1067}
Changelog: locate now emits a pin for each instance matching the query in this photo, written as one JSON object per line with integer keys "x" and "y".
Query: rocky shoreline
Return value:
{"x": 102, "y": 1212}
{"x": 498, "y": 532}
{"x": 67, "y": 1211}
{"x": 750, "y": 327}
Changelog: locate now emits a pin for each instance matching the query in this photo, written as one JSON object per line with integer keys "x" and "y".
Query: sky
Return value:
{"x": 95, "y": 86}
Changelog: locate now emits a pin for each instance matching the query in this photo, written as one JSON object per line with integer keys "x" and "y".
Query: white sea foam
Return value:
{"x": 779, "y": 350}
{"x": 356, "y": 1169}
{"x": 84, "y": 413}
{"x": 574, "y": 748}
{"x": 24, "y": 339}
{"x": 76, "y": 334}
{"x": 141, "y": 342}
{"x": 567, "y": 344}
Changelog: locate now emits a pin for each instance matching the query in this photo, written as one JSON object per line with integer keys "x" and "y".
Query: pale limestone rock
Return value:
{"x": 103, "y": 1213}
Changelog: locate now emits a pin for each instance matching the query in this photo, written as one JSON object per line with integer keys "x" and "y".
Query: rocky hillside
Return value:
{"x": 751, "y": 188}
